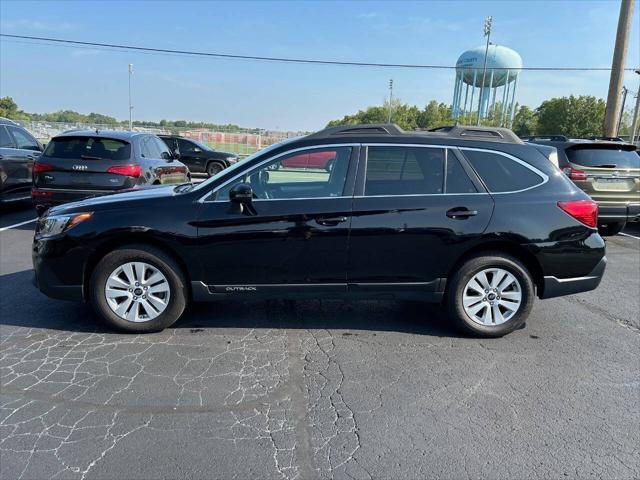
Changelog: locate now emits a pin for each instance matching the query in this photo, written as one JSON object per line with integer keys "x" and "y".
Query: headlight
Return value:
{"x": 56, "y": 224}
{"x": 232, "y": 159}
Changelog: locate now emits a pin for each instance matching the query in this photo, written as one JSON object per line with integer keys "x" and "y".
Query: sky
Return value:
{"x": 46, "y": 78}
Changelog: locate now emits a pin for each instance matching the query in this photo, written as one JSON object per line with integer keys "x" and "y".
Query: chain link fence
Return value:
{"x": 234, "y": 140}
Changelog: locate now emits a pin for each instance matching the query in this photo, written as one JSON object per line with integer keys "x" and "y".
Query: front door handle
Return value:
{"x": 460, "y": 213}
{"x": 330, "y": 222}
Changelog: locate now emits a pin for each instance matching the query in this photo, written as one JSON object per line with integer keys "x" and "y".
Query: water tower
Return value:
{"x": 499, "y": 87}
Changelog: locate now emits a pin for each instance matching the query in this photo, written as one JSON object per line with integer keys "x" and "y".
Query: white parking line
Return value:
{"x": 17, "y": 225}
{"x": 627, "y": 235}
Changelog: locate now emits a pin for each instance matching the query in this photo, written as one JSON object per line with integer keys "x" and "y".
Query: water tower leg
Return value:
{"x": 513, "y": 101}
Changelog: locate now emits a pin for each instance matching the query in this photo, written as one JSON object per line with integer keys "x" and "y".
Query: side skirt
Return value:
{"x": 426, "y": 291}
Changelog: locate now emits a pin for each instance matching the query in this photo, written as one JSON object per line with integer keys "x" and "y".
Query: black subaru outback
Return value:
{"x": 467, "y": 216}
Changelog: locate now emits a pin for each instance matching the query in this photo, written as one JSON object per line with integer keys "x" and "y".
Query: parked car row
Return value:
{"x": 80, "y": 164}
{"x": 470, "y": 217}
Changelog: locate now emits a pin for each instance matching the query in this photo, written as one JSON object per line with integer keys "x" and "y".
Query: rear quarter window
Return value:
{"x": 500, "y": 173}
{"x": 88, "y": 148}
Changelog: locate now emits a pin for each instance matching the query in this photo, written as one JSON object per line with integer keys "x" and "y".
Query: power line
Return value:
{"x": 78, "y": 43}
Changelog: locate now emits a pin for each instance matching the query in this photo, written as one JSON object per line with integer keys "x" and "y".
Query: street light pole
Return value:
{"x": 390, "y": 98}
{"x": 487, "y": 33}
{"x": 130, "y": 106}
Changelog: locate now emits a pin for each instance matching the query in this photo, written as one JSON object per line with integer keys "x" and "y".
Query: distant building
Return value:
{"x": 499, "y": 87}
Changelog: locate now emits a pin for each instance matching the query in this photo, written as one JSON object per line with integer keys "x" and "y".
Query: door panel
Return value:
{"x": 297, "y": 232}
{"x": 411, "y": 238}
{"x": 415, "y": 212}
{"x": 286, "y": 242}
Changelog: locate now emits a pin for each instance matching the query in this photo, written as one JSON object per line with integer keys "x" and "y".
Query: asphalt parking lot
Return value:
{"x": 319, "y": 389}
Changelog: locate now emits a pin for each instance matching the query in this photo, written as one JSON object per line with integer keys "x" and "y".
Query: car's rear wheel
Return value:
{"x": 213, "y": 168}
{"x": 138, "y": 289}
{"x": 490, "y": 295}
{"x": 610, "y": 229}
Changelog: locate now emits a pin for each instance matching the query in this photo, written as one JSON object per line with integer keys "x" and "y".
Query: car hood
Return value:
{"x": 117, "y": 200}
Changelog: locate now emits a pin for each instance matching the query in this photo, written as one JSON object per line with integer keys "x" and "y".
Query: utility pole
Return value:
{"x": 390, "y": 99}
{"x": 617, "y": 67}
{"x": 487, "y": 33}
{"x": 625, "y": 90}
{"x": 130, "y": 106}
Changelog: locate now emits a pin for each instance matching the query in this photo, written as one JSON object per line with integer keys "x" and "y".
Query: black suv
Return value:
{"x": 468, "y": 216}
{"x": 18, "y": 151}
{"x": 200, "y": 158}
{"x": 608, "y": 170}
{"x": 82, "y": 164}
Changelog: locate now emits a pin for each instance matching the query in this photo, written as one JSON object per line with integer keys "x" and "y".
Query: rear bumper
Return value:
{"x": 49, "y": 197}
{"x": 557, "y": 287}
{"x": 626, "y": 212}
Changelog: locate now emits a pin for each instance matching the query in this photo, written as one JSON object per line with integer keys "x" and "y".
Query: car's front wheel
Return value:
{"x": 138, "y": 289}
{"x": 610, "y": 229}
{"x": 213, "y": 168}
{"x": 490, "y": 295}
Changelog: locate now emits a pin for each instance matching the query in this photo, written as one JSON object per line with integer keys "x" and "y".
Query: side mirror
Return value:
{"x": 167, "y": 156}
{"x": 196, "y": 150}
{"x": 176, "y": 155}
{"x": 241, "y": 193}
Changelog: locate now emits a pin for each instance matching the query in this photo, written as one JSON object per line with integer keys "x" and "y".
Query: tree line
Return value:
{"x": 574, "y": 116}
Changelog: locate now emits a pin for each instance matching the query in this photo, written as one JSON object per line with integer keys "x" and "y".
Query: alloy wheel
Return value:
{"x": 137, "y": 292}
{"x": 492, "y": 297}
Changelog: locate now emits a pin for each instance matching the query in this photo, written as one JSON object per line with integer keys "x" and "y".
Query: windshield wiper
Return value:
{"x": 89, "y": 157}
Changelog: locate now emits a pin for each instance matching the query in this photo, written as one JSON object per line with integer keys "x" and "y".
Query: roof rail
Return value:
{"x": 550, "y": 138}
{"x": 370, "y": 129}
{"x": 498, "y": 134}
{"x": 607, "y": 139}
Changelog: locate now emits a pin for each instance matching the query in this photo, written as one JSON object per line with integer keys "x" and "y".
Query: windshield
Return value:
{"x": 240, "y": 165}
{"x": 88, "y": 148}
{"x": 604, "y": 157}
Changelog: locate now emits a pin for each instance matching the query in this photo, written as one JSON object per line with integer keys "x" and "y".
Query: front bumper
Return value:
{"x": 557, "y": 287}
{"x": 58, "y": 272}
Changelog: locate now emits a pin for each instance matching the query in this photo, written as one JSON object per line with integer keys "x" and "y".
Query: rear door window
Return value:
{"x": 23, "y": 140}
{"x": 88, "y": 148}
{"x": 500, "y": 173}
{"x": 404, "y": 171}
{"x": 603, "y": 157}
{"x": 5, "y": 139}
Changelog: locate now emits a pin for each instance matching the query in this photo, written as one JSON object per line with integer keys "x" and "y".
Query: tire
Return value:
{"x": 610, "y": 229}
{"x": 213, "y": 168}
{"x": 175, "y": 299}
{"x": 512, "y": 318}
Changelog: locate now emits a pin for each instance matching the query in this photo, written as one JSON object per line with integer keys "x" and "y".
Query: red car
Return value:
{"x": 318, "y": 160}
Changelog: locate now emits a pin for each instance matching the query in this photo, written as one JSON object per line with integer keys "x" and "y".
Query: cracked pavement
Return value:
{"x": 319, "y": 389}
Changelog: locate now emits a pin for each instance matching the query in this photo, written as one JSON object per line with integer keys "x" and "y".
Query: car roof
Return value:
{"x": 566, "y": 143}
{"x": 114, "y": 134}
{"x": 6, "y": 121}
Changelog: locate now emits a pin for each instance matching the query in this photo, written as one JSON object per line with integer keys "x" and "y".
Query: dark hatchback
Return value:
{"x": 83, "y": 164}
{"x": 200, "y": 158}
{"x": 471, "y": 217}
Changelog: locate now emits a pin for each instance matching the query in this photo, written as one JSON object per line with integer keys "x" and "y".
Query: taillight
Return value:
{"x": 585, "y": 211}
{"x": 128, "y": 170}
{"x": 575, "y": 174}
{"x": 40, "y": 193}
{"x": 41, "y": 167}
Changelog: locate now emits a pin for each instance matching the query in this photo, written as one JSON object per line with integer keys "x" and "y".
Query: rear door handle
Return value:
{"x": 330, "y": 222}
{"x": 460, "y": 213}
